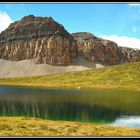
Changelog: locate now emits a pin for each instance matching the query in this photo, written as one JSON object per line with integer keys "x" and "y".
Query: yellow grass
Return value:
{"x": 22, "y": 126}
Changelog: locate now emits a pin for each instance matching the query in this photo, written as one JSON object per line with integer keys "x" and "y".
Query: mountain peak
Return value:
{"x": 28, "y": 17}
{"x": 38, "y": 38}
{"x": 35, "y": 18}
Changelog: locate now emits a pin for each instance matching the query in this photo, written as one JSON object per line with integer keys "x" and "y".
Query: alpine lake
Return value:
{"x": 114, "y": 107}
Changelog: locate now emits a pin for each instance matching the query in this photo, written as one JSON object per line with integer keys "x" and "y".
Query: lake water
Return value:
{"x": 110, "y": 107}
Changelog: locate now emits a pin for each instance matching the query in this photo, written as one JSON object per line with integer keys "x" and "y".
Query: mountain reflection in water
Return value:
{"x": 86, "y": 105}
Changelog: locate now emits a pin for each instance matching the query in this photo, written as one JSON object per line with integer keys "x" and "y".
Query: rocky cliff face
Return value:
{"x": 102, "y": 51}
{"x": 46, "y": 41}
{"x": 38, "y": 38}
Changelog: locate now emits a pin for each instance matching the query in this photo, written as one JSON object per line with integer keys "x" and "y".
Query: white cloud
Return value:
{"x": 5, "y": 21}
{"x": 124, "y": 41}
{"x": 138, "y": 5}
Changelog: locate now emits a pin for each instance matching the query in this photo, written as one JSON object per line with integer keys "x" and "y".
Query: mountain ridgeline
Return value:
{"x": 44, "y": 40}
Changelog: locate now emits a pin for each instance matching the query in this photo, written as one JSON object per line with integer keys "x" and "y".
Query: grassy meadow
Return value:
{"x": 125, "y": 76}
{"x": 22, "y": 126}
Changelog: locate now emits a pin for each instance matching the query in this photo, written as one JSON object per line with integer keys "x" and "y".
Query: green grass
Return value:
{"x": 125, "y": 76}
{"x": 22, "y": 126}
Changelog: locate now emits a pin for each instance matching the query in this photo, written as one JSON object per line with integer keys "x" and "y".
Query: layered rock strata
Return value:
{"x": 38, "y": 38}
{"x": 46, "y": 41}
{"x": 103, "y": 51}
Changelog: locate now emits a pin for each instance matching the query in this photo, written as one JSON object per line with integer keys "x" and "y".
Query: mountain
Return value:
{"x": 103, "y": 51}
{"x": 44, "y": 40}
{"x": 38, "y": 38}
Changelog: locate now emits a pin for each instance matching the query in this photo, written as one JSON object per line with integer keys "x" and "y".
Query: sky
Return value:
{"x": 117, "y": 22}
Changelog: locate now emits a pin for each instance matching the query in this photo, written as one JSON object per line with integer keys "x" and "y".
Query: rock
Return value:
{"x": 44, "y": 40}
{"x": 103, "y": 51}
{"x": 38, "y": 38}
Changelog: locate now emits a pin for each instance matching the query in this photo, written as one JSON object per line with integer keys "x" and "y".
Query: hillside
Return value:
{"x": 120, "y": 76}
{"x": 26, "y": 68}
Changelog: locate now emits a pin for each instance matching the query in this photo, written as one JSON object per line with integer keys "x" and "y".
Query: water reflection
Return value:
{"x": 98, "y": 106}
{"x": 59, "y": 111}
{"x": 127, "y": 121}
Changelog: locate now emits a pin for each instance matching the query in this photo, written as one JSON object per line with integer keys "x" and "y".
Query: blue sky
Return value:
{"x": 103, "y": 20}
